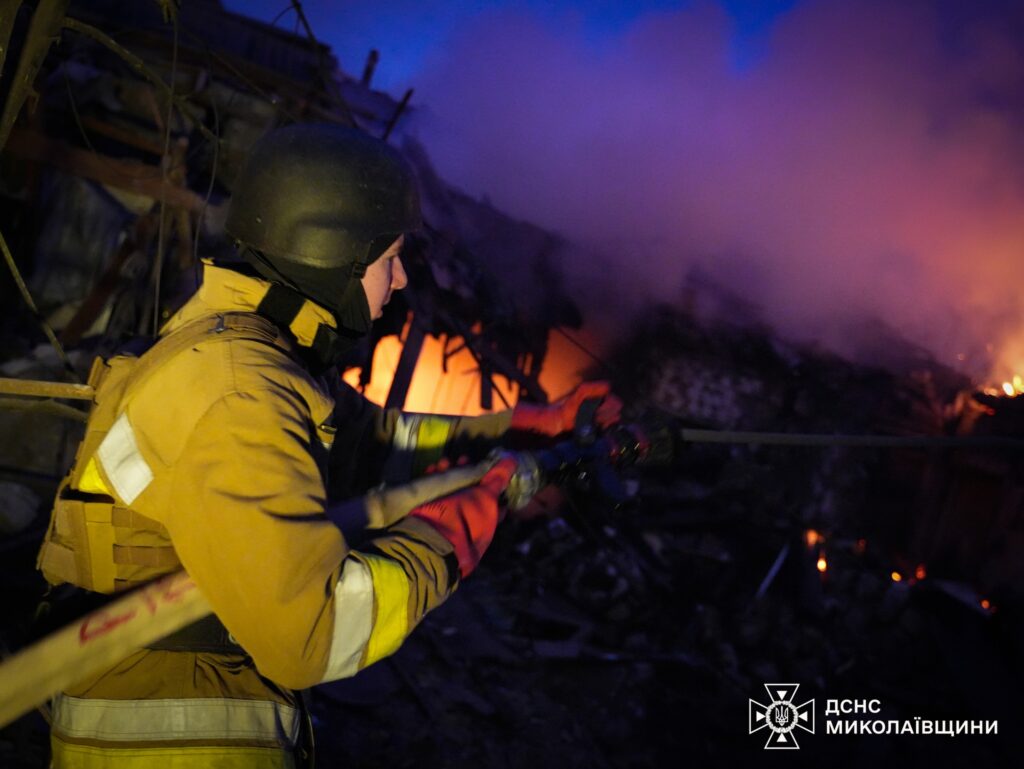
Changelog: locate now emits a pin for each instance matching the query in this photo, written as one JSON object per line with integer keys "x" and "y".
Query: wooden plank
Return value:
{"x": 41, "y": 389}
{"x": 122, "y": 174}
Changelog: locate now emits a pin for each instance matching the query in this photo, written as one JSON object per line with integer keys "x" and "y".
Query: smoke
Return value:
{"x": 867, "y": 165}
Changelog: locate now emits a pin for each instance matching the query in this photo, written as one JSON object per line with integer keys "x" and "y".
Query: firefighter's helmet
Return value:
{"x": 316, "y": 204}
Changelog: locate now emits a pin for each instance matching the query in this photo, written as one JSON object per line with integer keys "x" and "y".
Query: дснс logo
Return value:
{"x": 781, "y": 716}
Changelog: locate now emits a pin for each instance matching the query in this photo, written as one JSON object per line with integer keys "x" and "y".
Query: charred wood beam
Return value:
{"x": 122, "y": 174}
{"x": 398, "y": 113}
{"x": 8, "y": 13}
{"x": 123, "y": 134}
{"x": 498, "y": 363}
{"x": 43, "y": 31}
{"x": 406, "y": 366}
{"x": 371, "y": 65}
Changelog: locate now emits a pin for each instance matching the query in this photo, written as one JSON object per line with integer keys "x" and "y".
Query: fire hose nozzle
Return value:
{"x": 526, "y": 481}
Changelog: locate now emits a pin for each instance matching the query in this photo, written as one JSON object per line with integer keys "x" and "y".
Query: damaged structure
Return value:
{"x": 618, "y": 631}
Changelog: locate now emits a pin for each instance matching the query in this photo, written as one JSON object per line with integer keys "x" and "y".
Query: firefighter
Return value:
{"x": 209, "y": 453}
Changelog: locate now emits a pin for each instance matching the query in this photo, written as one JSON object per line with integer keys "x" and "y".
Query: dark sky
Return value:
{"x": 413, "y": 33}
{"x": 831, "y": 160}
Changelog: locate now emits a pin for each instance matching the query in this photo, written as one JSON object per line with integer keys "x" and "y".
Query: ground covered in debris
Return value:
{"x": 634, "y": 635}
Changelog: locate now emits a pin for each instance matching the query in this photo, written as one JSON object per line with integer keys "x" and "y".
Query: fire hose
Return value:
{"x": 107, "y": 635}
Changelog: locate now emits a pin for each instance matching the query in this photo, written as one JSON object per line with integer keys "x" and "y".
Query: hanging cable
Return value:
{"x": 164, "y": 165}
{"x": 209, "y": 192}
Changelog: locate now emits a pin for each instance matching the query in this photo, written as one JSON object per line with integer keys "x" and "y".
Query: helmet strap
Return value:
{"x": 281, "y": 305}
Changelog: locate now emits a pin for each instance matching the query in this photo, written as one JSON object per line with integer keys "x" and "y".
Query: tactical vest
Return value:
{"x": 93, "y": 541}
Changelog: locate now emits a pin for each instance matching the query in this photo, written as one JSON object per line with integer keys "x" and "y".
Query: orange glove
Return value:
{"x": 469, "y": 517}
{"x": 559, "y": 417}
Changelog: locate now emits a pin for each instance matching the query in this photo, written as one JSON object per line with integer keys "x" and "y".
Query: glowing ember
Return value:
{"x": 920, "y": 572}
{"x": 897, "y": 577}
{"x": 1011, "y": 388}
{"x": 812, "y": 537}
{"x": 822, "y": 564}
{"x": 986, "y": 604}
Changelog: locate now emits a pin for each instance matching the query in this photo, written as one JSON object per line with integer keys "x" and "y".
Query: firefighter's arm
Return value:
{"x": 378, "y": 445}
{"x": 414, "y": 565}
{"x": 247, "y": 518}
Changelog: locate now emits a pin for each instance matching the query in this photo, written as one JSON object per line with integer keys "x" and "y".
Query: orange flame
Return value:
{"x": 812, "y": 537}
{"x": 920, "y": 572}
{"x": 897, "y": 577}
{"x": 822, "y": 564}
{"x": 457, "y": 390}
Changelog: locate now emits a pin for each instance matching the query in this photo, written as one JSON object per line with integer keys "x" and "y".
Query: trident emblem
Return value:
{"x": 781, "y": 716}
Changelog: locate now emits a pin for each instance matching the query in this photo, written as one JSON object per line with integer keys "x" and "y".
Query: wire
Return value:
{"x": 611, "y": 369}
{"x": 74, "y": 109}
{"x": 132, "y": 61}
{"x": 330, "y": 85}
{"x": 209, "y": 191}
{"x": 27, "y": 297}
{"x": 164, "y": 163}
{"x": 281, "y": 13}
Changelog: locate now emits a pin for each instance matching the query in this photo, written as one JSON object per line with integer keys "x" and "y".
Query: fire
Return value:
{"x": 986, "y": 604}
{"x": 822, "y": 564}
{"x": 920, "y": 572}
{"x": 812, "y": 537}
{"x": 897, "y": 577}
{"x": 457, "y": 390}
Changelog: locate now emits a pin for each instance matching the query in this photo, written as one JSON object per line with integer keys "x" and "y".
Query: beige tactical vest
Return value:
{"x": 93, "y": 541}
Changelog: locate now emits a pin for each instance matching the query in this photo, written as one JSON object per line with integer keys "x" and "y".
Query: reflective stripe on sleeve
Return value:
{"x": 371, "y": 614}
{"x": 398, "y": 466}
{"x": 353, "y": 620}
{"x": 418, "y": 441}
{"x": 123, "y": 463}
{"x": 431, "y": 439}
{"x": 207, "y": 718}
{"x": 391, "y": 615}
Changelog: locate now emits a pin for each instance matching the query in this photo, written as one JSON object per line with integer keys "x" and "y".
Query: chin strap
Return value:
{"x": 281, "y": 305}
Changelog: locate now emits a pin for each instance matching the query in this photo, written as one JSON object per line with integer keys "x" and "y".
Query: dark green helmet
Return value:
{"x": 316, "y": 204}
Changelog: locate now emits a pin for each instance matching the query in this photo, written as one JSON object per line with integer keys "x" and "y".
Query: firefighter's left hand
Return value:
{"x": 560, "y": 416}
